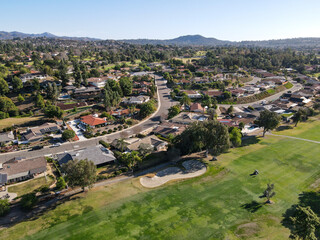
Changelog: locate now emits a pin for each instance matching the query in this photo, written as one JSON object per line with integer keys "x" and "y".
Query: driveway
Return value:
{"x": 73, "y": 124}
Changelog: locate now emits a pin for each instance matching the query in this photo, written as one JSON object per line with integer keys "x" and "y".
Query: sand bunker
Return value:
{"x": 193, "y": 168}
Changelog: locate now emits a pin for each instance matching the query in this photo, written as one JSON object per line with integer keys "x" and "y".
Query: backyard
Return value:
{"x": 224, "y": 203}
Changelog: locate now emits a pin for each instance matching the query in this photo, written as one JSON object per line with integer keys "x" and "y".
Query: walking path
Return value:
{"x": 302, "y": 139}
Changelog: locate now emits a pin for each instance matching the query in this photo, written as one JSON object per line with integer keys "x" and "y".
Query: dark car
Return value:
{"x": 36, "y": 148}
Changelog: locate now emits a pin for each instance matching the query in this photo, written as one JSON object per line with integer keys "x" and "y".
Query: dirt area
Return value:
{"x": 193, "y": 168}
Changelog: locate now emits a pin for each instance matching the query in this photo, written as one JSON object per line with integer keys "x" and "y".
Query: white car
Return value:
{"x": 56, "y": 145}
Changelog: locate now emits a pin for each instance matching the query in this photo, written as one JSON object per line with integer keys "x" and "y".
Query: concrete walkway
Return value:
{"x": 302, "y": 139}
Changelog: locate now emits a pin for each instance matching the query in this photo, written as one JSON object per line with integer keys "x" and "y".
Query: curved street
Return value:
{"x": 165, "y": 102}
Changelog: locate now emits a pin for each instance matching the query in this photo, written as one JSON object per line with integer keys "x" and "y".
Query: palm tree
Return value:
{"x": 185, "y": 100}
{"x": 298, "y": 116}
{"x": 121, "y": 144}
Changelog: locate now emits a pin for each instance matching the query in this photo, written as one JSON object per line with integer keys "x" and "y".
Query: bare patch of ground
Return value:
{"x": 193, "y": 168}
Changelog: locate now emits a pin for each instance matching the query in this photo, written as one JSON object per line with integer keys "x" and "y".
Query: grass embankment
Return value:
{"x": 305, "y": 130}
{"x": 31, "y": 185}
{"x": 264, "y": 94}
{"x": 8, "y": 122}
{"x": 222, "y": 204}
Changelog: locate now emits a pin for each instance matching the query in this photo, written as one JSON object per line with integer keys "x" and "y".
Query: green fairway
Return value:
{"x": 222, "y": 204}
{"x": 308, "y": 130}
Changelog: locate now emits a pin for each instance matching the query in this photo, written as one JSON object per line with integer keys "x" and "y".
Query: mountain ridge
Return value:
{"x": 186, "y": 40}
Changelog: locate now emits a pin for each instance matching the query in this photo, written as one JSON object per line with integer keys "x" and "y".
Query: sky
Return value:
{"x": 234, "y": 20}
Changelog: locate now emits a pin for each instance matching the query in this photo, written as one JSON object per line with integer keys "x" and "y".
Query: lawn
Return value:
{"x": 8, "y": 122}
{"x": 222, "y": 204}
{"x": 31, "y": 185}
{"x": 305, "y": 130}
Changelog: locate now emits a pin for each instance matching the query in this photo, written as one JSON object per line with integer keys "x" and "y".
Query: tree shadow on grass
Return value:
{"x": 252, "y": 206}
{"x": 311, "y": 199}
{"x": 282, "y": 128}
{"x": 249, "y": 140}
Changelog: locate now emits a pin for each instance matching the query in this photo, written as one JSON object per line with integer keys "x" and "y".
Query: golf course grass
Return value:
{"x": 224, "y": 203}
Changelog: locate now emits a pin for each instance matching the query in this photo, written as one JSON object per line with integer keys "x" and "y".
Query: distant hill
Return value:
{"x": 11, "y": 35}
{"x": 198, "y": 40}
{"x": 195, "y": 40}
{"x": 188, "y": 40}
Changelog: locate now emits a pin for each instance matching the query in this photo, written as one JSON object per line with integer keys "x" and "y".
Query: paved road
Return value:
{"x": 165, "y": 102}
{"x": 296, "y": 87}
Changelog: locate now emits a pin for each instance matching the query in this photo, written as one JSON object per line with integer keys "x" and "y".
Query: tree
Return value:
{"x": 36, "y": 84}
{"x": 146, "y": 109}
{"x": 144, "y": 149}
{"x": 298, "y": 116}
{"x": 211, "y": 135}
{"x": 268, "y": 120}
{"x": 121, "y": 144}
{"x": 173, "y": 111}
{"x": 94, "y": 73}
{"x": 68, "y": 134}
{"x": 241, "y": 125}
{"x": 28, "y": 201}
{"x": 235, "y": 136}
{"x": 230, "y": 110}
{"x": 305, "y": 223}
{"x": 52, "y": 111}
{"x": 20, "y": 98}
{"x": 212, "y": 113}
{"x": 80, "y": 173}
{"x": 185, "y": 100}
{"x": 40, "y": 101}
{"x": 130, "y": 159}
{"x": 4, "y": 207}
{"x": 269, "y": 193}
{"x": 17, "y": 84}
{"x": 4, "y": 87}
{"x": 126, "y": 86}
{"x": 61, "y": 184}
{"x": 7, "y": 106}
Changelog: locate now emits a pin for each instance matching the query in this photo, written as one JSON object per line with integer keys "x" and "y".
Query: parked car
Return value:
{"x": 36, "y": 148}
{"x": 56, "y": 145}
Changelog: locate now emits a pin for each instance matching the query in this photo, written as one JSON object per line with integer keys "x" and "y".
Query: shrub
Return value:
{"x": 104, "y": 132}
{"x": 68, "y": 134}
{"x": 120, "y": 127}
{"x": 105, "y": 144}
{"x": 109, "y": 131}
{"x": 28, "y": 201}
{"x": 44, "y": 189}
{"x": 61, "y": 184}
{"x": 4, "y": 207}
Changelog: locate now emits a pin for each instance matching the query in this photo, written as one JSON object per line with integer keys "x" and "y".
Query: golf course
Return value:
{"x": 225, "y": 203}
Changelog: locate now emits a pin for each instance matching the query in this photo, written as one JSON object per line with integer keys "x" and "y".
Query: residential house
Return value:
{"x": 6, "y": 138}
{"x": 98, "y": 82}
{"x": 166, "y": 129}
{"x": 30, "y": 76}
{"x": 137, "y": 100}
{"x": 192, "y": 94}
{"x": 18, "y": 169}
{"x": 155, "y": 143}
{"x": 37, "y": 133}
{"x": 87, "y": 93}
{"x": 196, "y": 107}
{"x": 121, "y": 112}
{"x": 93, "y": 121}
{"x": 98, "y": 154}
{"x": 188, "y": 118}
{"x": 213, "y": 93}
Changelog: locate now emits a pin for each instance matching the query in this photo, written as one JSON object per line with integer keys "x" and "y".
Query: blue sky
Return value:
{"x": 164, "y": 19}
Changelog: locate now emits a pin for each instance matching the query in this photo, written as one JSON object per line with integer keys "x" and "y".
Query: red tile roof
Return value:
{"x": 92, "y": 121}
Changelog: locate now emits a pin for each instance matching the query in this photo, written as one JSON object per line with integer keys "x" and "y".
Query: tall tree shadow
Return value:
{"x": 252, "y": 206}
